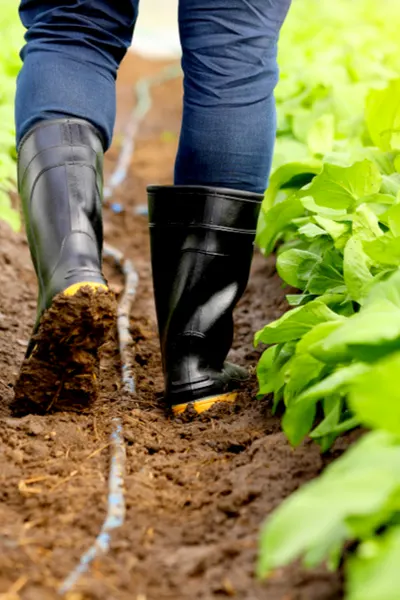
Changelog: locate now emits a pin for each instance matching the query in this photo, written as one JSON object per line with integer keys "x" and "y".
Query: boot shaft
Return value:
{"x": 60, "y": 165}
{"x": 201, "y": 245}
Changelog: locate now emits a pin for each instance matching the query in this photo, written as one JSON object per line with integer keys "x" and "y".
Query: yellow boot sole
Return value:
{"x": 204, "y": 404}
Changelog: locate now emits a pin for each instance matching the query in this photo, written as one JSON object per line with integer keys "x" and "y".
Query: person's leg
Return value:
{"x": 230, "y": 68}
{"x": 203, "y": 228}
{"x": 70, "y": 61}
{"x": 65, "y": 111}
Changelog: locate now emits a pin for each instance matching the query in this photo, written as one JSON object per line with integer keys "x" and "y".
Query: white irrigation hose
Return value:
{"x": 115, "y": 513}
{"x": 124, "y": 310}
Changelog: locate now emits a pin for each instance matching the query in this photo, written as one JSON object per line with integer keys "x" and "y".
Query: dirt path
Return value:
{"x": 196, "y": 492}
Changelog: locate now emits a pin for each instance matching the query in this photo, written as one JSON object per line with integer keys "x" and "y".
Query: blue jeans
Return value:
{"x": 74, "y": 48}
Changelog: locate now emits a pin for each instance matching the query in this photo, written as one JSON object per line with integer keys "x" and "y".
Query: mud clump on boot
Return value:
{"x": 61, "y": 371}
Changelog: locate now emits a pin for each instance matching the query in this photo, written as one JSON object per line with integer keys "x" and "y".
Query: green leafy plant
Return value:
{"x": 332, "y": 213}
{"x": 357, "y": 496}
{"x": 346, "y": 266}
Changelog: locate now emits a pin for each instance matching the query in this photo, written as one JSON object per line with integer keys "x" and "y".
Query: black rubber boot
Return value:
{"x": 60, "y": 166}
{"x": 201, "y": 246}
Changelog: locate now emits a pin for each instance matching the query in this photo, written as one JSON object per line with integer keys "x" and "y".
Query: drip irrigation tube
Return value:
{"x": 116, "y": 509}
{"x": 124, "y": 309}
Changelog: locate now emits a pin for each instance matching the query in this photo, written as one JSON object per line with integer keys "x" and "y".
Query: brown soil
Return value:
{"x": 197, "y": 492}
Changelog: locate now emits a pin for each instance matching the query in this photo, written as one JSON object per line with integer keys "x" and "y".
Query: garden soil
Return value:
{"x": 197, "y": 491}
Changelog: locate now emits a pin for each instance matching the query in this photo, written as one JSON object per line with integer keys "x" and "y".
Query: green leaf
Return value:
{"x": 336, "y": 382}
{"x": 271, "y": 372}
{"x": 373, "y": 574}
{"x": 275, "y": 220}
{"x": 388, "y": 290}
{"x": 298, "y": 421}
{"x": 295, "y": 323}
{"x": 383, "y": 116}
{"x": 335, "y": 230}
{"x": 390, "y": 185}
{"x": 340, "y": 187}
{"x": 356, "y": 271}
{"x": 331, "y": 421}
{"x": 393, "y": 219}
{"x": 365, "y": 224}
{"x": 317, "y": 333}
{"x": 326, "y": 274}
{"x": 300, "y": 413}
{"x": 299, "y": 299}
{"x": 385, "y": 161}
{"x": 311, "y": 230}
{"x": 341, "y": 303}
{"x": 264, "y": 370}
{"x": 304, "y": 370}
{"x": 288, "y": 150}
{"x": 379, "y": 199}
{"x": 321, "y": 135}
{"x": 384, "y": 250}
{"x": 366, "y": 336}
{"x": 357, "y": 484}
{"x": 344, "y": 426}
{"x": 331, "y": 213}
{"x": 287, "y": 175}
{"x": 382, "y": 413}
{"x": 295, "y": 267}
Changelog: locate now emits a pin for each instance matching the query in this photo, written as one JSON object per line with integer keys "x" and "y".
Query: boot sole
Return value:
{"x": 204, "y": 404}
{"x": 62, "y": 371}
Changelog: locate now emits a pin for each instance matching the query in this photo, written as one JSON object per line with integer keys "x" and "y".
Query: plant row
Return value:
{"x": 332, "y": 213}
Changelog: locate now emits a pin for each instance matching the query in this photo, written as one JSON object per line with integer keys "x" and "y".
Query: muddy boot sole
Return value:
{"x": 62, "y": 370}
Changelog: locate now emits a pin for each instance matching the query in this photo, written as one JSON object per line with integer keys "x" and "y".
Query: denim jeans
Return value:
{"x": 74, "y": 48}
